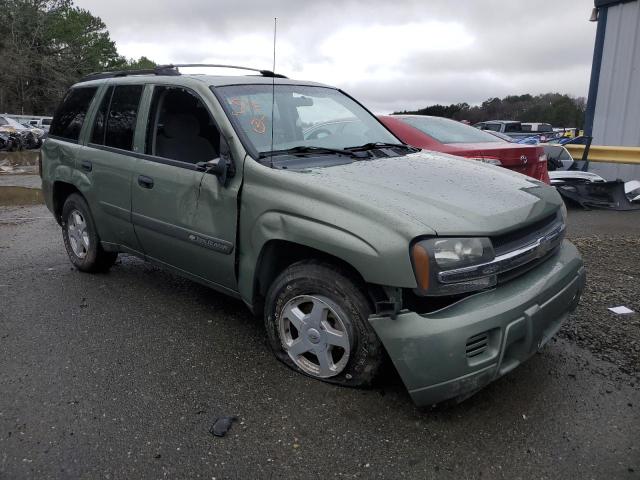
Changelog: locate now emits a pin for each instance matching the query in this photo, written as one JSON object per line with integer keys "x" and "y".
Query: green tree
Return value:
{"x": 554, "y": 108}
{"x": 45, "y": 46}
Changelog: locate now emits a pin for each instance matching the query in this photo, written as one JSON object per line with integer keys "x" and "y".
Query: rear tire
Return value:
{"x": 81, "y": 238}
{"x": 316, "y": 317}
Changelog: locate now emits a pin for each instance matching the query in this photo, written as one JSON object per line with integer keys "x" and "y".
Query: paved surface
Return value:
{"x": 121, "y": 375}
{"x": 28, "y": 181}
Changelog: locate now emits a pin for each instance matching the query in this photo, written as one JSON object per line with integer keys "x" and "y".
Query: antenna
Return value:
{"x": 273, "y": 85}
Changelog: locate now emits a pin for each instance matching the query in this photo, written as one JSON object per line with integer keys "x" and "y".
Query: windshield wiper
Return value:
{"x": 311, "y": 149}
{"x": 374, "y": 145}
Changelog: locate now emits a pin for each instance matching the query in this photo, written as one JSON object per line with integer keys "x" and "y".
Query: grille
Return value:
{"x": 516, "y": 239}
{"x": 477, "y": 345}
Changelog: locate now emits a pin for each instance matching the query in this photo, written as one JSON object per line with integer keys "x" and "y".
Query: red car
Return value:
{"x": 449, "y": 136}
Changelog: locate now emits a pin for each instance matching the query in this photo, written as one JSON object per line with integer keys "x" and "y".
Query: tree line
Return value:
{"x": 557, "y": 109}
{"x": 46, "y": 46}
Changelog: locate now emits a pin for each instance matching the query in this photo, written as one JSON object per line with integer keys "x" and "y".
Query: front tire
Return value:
{"x": 316, "y": 317}
{"x": 81, "y": 238}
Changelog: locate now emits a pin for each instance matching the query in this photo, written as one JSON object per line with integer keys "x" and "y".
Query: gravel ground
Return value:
{"x": 613, "y": 266}
{"x": 610, "y": 245}
{"x": 121, "y": 375}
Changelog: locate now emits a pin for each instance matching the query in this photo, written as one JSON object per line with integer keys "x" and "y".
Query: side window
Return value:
{"x": 97, "y": 134}
{"x": 180, "y": 127}
{"x": 70, "y": 116}
{"x": 121, "y": 119}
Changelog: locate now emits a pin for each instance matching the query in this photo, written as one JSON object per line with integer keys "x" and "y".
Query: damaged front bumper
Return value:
{"x": 459, "y": 349}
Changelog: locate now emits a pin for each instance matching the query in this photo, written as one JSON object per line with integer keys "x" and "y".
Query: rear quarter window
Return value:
{"x": 71, "y": 114}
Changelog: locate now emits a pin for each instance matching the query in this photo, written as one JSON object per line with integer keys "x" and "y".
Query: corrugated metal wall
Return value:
{"x": 617, "y": 113}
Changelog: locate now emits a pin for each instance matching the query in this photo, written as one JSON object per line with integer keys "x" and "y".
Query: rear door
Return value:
{"x": 110, "y": 163}
{"x": 63, "y": 149}
{"x": 184, "y": 218}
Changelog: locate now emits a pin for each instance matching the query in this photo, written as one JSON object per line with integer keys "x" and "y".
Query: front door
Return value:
{"x": 184, "y": 218}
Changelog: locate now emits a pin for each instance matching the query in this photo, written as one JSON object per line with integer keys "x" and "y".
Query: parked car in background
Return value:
{"x": 518, "y": 130}
{"x": 41, "y": 122}
{"x": 449, "y": 136}
{"x": 8, "y": 141}
{"x": 27, "y": 138}
{"x": 38, "y": 133}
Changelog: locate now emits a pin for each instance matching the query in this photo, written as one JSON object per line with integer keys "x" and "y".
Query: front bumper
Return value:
{"x": 455, "y": 351}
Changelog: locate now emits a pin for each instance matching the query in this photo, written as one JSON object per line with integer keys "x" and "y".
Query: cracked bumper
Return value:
{"x": 436, "y": 354}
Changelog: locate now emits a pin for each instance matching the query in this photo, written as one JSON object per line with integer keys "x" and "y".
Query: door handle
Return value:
{"x": 145, "y": 182}
{"x": 86, "y": 165}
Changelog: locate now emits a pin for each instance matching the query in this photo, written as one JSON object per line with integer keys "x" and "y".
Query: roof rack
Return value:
{"x": 171, "y": 70}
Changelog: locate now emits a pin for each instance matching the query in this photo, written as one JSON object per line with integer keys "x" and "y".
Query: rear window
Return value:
{"x": 494, "y": 127}
{"x": 445, "y": 130}
{"x": 512, "y": 127}
{"x": 70, "y": 116}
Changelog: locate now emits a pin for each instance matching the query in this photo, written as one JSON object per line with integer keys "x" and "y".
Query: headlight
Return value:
{"x": 435, "y": 256}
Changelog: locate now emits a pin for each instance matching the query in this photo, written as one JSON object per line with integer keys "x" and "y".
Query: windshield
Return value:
{"x": 445, "y": 130}
{"x": 304, "y": 116}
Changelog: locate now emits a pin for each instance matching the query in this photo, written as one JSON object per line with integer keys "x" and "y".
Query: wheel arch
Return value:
{"x": 60, "y": 192}
{"x": 278, "y": 254}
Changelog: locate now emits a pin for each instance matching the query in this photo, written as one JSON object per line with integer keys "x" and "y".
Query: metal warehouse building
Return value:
{"x": 613, "y": 105}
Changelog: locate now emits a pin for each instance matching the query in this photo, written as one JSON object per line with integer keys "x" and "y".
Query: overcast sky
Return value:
{"x": 391, "y": 55}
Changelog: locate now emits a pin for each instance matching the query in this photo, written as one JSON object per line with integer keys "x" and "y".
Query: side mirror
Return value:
{"x": 217, "y": 167}
{"x": 222, "y": 166}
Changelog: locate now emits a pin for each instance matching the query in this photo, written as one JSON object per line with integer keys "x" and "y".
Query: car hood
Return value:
{"x": 446, "y": 194}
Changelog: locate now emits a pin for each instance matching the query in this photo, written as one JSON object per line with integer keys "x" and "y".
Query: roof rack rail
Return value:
{"x": 264, "y": 73}
{"x": 170, "y": 70}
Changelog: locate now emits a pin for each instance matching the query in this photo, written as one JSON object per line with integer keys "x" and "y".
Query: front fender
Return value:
{"x": 386, "y": 264}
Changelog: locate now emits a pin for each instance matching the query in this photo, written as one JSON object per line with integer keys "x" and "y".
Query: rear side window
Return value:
{"x": 121, "y": 119}
{"x": 70, "y": 116}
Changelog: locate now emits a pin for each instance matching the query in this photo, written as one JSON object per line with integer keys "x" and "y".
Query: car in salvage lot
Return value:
{"x": 26, "y": 136}
{"x": 456, "y": 138}
{"x": 347, "y": 244}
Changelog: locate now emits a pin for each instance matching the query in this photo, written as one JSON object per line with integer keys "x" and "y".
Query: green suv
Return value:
{"x": 293, "y": 197}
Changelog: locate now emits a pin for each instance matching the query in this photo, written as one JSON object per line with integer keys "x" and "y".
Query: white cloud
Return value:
{"x": 390, "y": 55}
